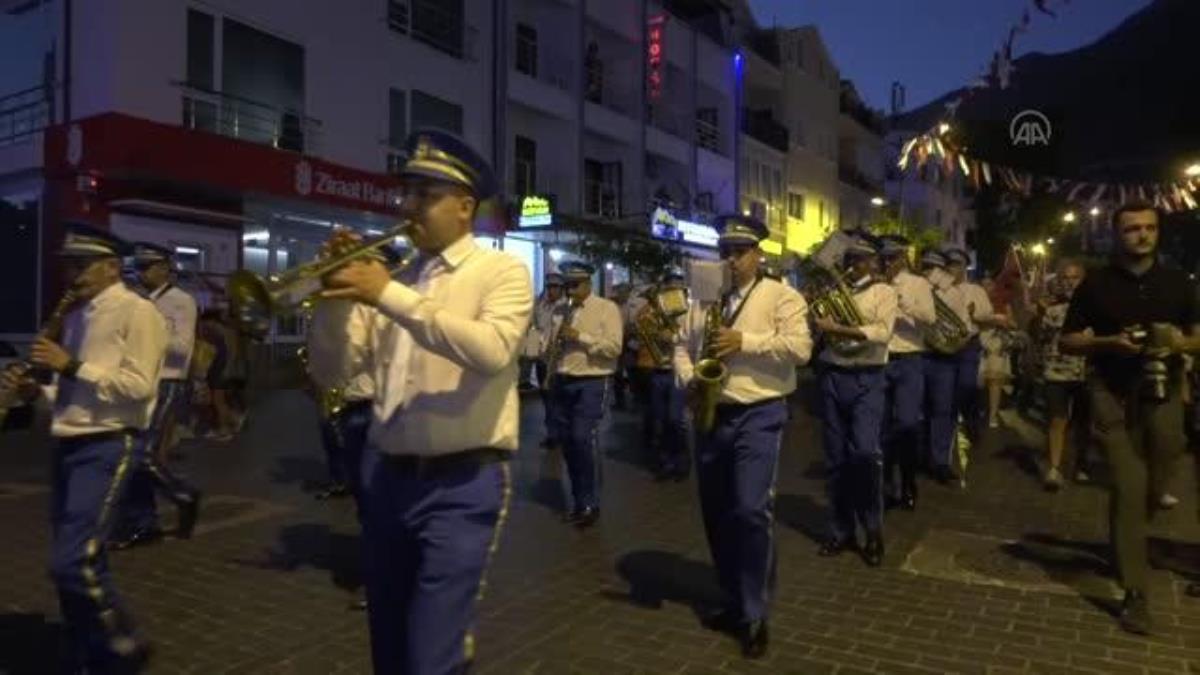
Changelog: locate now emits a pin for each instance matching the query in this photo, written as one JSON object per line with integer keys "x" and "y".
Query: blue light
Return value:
{"x": 737, "y": 58}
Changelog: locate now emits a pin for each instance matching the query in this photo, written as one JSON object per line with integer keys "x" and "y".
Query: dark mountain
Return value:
{"x": 1122, "y": 108}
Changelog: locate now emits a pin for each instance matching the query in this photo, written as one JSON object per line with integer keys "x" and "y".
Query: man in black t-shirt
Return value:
{"x": 1130, "y": 319}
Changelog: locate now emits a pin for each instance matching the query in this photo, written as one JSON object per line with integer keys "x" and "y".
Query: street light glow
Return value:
{"x": 1095, "y": 211}
{"x": 877, "y": 201}
{"x": 1069, "y": 217}
{"x": 1050, "y": 241}
{"x": 943, "y": 128}
{"x": 1038, "y": 249}
{"x": 1192, "y": 171}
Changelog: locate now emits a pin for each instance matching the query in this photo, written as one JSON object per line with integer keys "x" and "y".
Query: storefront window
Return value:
{"x": 530, "y": 254}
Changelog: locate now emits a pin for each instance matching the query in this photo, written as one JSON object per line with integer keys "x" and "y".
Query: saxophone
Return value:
{"x": 710, "y": 373}
{"x": 50, "y": 331}
{"x": 554, "y": 349}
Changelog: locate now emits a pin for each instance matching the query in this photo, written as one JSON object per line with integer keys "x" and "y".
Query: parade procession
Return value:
{"x": 598, "y": 337}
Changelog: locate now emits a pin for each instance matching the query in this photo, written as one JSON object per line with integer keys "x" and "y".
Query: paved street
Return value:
{"x": 998, "y": 578}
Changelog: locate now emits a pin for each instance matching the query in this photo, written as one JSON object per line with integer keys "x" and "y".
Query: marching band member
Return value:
{"x": 442, "y": 352}
{"x": 971, "y": 303}
{"x": 543, "y": 326}
{"x": 905, "y": 372}
{"x": 106, "y": 366}
{"x": 762, "y": 338}
{"x": 590, "y": 330}
{"x": 852, "y": 385}
{"x": 941, "y": 371}
{"x": 139, "y": 513}
{"x": 667, "y": 426}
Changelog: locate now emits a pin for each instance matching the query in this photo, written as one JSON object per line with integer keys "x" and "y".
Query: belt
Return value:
{"x": 851, "y": 370}
{"x": 100, "y": 436}
{"x": 581, "y": 378}
{"x": 357, "y": 404}
{"x": 898, "y": 356}
{"x": 742, "y": 407}
{"x": 420, "y": 466}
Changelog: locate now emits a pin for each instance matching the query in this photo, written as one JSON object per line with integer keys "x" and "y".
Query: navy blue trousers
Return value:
{"x": 905, "y": 400}
{"x": 139, "y": 510}
{"x": 941, "y": 372}
{"x": 427, "y": 542}
{"x": 667, "y": 425}
{"x": 736, "y": 467}
{"x": 966, "y": 386}
{"x": 579, "y": 407}
{"x": 852, "y": 415}
{"x": 343, "y": 436}
{"x": 90, "y": 475}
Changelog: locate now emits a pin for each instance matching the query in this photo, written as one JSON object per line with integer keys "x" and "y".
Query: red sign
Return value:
{"x": 654, "y": 57}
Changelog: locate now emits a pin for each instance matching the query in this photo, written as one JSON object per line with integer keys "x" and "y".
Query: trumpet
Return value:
{"x": 710, "y": 373}
{"x": 254, "y": 299}
{"x": 554, "y": 349}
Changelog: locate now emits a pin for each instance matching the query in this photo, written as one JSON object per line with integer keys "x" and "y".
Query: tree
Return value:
{"x": 921, "y": 237}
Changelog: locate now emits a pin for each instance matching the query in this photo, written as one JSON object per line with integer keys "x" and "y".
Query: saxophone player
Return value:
{"x": 852, "y": 382}
{"x": 905, "y": 372}
{"x": 590, "y": 330}
{"x": 106, "y": 369}
{"x": 762, "y": 338}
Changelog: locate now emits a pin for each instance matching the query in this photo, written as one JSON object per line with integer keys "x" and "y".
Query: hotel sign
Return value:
{"x": 655, "y": 33}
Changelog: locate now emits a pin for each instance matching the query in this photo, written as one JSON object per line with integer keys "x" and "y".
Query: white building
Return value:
{"x": 239, "y": 133}
{"x": 929, "y": 196}
{"x": 861, "y": 160}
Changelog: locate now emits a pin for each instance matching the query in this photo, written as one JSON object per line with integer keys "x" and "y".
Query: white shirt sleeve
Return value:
{"x": 182, "y": 321}
{"x": 136, "y": 377}
{"x": 682, "y": 359}
{"x": 606, "y": 343}
{"x": 882, "y": 309}
{"x": 790, "y": 341}
{"x": 338, "y": 341}
{"x": 916, "y": 300}
{"x": 487, "y": 343}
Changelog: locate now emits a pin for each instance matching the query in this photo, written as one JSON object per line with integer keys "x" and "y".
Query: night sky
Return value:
{"x": 933, "y": 46}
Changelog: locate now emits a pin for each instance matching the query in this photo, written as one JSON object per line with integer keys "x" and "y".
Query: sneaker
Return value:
{"x": 1053, "y": 480}
{"x": 1168, "y": 501}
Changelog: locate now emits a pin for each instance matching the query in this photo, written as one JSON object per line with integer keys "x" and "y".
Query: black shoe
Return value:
{"x": 130, "y": 655}
{"x": 189, "y": 513}
{"x": 587, "y": 517}
{"x": 140, "y": 537}
{"x": 1193, "y": 589}
{"x": 359, "y": 605}
{"x": 834, "y": 547}
{"x": 1135, "y": 614}
{"x": 873, "y": 550}
{"x": 723, "y": 621}
{"x": 333, "y": 491}
{"x": 754, "y": 637}
{"x": 908, "y": 501}
{"x": 571, "y": 517}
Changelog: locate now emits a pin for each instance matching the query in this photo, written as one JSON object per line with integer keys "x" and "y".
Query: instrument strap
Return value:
{"x": 741, "y": 305}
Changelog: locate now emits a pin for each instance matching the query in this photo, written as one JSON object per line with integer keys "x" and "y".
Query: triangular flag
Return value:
{"x": 1099, "y": 193}
{"x": 1075, "y": 190}
{"x": 987, "y": 172}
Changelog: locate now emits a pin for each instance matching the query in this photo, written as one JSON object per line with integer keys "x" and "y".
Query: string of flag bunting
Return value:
{"x": 935, "y": 145}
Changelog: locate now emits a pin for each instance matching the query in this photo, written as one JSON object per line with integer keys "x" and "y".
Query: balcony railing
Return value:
{"x": 23, "y": 113}
{"x": 708, "y": 135}
{"x": 601, "y": 199}
{"x": 670, "y": 120}
{"x": 550, "y": 67}
{"x": 248, "y": 120}
{"x": 763, "y": 128}
{"x": 431, "y": 22}
{"x": 851, "y": 175}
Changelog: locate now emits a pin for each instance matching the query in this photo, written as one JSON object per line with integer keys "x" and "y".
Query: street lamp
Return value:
{"x": 1094, "y": 212}
{"x": 1069, "y": 217}
{"x": 1037, "y": 249}
{"x": 1193, "y": 171}
{"x": 943, "y": 128}
{"x": 1050, "y": 241}
{"x": 877, "y": 201}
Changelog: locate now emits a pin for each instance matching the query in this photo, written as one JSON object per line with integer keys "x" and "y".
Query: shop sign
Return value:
{"x": 535, "y": 212}
{"x": 665, "y": 225}
{"x": 319, "y": 181}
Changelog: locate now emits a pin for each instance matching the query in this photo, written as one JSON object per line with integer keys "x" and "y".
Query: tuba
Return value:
{"x": 254, "y": 299}
{"x": 50, "y": 330}
{"x": 661, "y": 313}
{"x": 710, "y": 373}
{"x": 828, "y": 295}
{"x": 948, "y": 335}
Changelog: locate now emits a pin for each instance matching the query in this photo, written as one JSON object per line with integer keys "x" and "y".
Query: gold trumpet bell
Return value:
{"x": 250, "y": 302}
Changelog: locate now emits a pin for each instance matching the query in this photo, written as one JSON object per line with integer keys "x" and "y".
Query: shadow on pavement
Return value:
{"x": 655, "y": 577}
{"x": 803, "y": 514}
{"x": 314, "y": 545}
{"x": 29, "y": 644}
{"x": 309, "y": 472}
{"x": 1024, "y": 458}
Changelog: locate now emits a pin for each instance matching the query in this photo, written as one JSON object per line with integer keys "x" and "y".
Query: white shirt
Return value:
{"x": 878, "y": 306}
{"x": 120, "y": 340}
{"x": 179, "y": 310}
{"x": 542, "y": 326}
{"x": 775, "y": 340}
{"x": 599, "y": 345}
{"x": 915, "y": 298}
{"x": 629, "y": 312}
{"x": 966, "y": 299}
{"x": 442, "y": 352}
{"x": 331, "y": 362}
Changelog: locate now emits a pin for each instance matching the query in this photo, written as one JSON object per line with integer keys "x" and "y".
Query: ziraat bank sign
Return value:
{"x": 310, "y": 181}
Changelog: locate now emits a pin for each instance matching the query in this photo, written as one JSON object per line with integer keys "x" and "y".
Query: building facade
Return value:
{"x": 861, "y": 159}
{"x": 929, "y": 196}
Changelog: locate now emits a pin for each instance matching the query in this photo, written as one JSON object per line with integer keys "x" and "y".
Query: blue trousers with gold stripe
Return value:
{"x": 851, "y": 416}
{"x": 579, "y": 406}
{"x": 90, "y": 475}
{"x": 736, "y": 465}
{"x": 427, "y": 541}
{"x": 668, "y": 427}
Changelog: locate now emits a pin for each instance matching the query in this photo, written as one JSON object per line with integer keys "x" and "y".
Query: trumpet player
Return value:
{"x": 106, "y": 368}
{"x": 664, "y": 420}
{"x": 543, "y": 326}
{"x": 971, "y": 302}
{"x": 442, "y": 353}
{"x": 589, "y": 330}
{"x": 762, "y": 337}
{"x": 852, "y": 384}
{"x": 905, "y": 372}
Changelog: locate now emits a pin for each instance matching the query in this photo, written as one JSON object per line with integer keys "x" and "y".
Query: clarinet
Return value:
{"x": 50, "y": 330}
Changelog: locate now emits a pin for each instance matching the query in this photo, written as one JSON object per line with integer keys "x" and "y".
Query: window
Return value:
{"x": 525, "y": 166}
{"x": 438, "y": 23}
{"x": 795, "y": 205}
{"x": 200, "y": 50}
{"x": 263, "y": 79}
{"x": 431, "y": 112}
{"x": 777, "y": 179}
{"x": 705, "y": 201}
{"x": 527, "y": 50}
{"x": 602, "y": 188}
{"x": 397, "y": 118}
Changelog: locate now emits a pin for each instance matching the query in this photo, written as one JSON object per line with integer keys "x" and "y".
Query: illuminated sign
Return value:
{"x": 535, "y": 212}
{"x": 664, "y": 225}
{"x": 654, "y": 54}
{"x": 771, "y": 246}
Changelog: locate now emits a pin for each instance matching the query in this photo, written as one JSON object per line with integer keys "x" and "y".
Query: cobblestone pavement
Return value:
{"x": 999, "y": 577}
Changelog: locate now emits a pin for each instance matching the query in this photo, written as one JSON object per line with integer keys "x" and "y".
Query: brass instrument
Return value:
{"x": 661, "y": 313}
{"x": 948, "y": 334}
{"x": 828, "y": 295}
{"x": 254, "y": 300}
{"x": 50, "y": 330}
{"x": 554, "y": 349}
{"x": 710, "y": 373}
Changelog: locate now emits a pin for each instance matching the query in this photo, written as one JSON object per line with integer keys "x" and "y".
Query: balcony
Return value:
{"x": 247, "y": 120}
{"x": 762, "y": 127}
{"x": 852, "y": 176}
{"x": 601, "y": 199}
{"x": 432, "y": 23}
{"x": 542, "y": 81}
{"x": 23, "y": 113}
